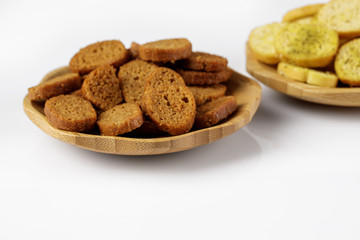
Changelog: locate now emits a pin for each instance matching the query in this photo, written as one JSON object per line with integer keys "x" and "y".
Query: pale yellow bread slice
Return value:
{"x": 347, "y": 63}
{"x": 261, "y": 42}
{"x": 322, "y": 79}
{"x": 291, "y": 71}
{"x": 306, "y": 20}
{"x": 306, "y": 75}
{"x": 302, "y": 12}
{"x": 343, "y": 16}
{"x": 306, "y": 45}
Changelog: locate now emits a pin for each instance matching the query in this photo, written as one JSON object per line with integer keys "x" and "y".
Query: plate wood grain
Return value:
{"x": 267, "y": 74}
{"x": 246, "y": 91}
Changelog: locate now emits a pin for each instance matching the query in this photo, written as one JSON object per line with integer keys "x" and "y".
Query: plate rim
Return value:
{"x": 146, "y": 146}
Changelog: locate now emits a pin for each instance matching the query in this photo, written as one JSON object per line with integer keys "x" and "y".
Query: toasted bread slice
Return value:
{"x": 202, "y": 61}
{"x": 55, "y": 86}
{"x": 167, "y": 50}
{"x": 302, "y": 12}
{"x": 203, "y": 94}
{"x": 306, "y": 45}
{"x": 98, "y": 54}
{"x": 102, "y": 88}
{"x": 204, "y": 78}
{"x": 261, "y": 42}
{"x": 168, "y": 102}
{"x": 134, "y": 50}
{"x": 214, "y": 111}
{"x": 133, "y": 78}
{"x": 77, "y": 93}
{"x": 69, "y": 112}
{"x": 322, "y": 79}
{"x": 343, "y": 16}
{"x": 347, "y": 63}
{"x": 120, "y": 119}
{"x": 291, "y": 71}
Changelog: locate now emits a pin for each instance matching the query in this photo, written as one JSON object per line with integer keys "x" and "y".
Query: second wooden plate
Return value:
{"x": 267, "y": 74}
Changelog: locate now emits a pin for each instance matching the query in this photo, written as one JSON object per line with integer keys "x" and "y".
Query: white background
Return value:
{"x": 292, "y": 173}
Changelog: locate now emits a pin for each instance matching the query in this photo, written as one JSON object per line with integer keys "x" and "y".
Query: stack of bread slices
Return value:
{"x": 151, "y": 89}
{"x": 316, "y": 44}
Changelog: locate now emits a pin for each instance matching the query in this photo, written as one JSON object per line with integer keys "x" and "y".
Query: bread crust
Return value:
{"x": 69, "y": 112}
{"x": 102, "y": 88}
{"x": 56, "y": 86}
{"x": 347, "y": 63}
{"x": 302, "y": 12}
{"x": 202, "y": 61}
{"x": 89, "y": 58}
{"x": 204, "y": 78}
{"x": 214, "y": 111}
{"x": 306, "y": 20}
{"x": 168, "y": 102}
{"x": 120, "y": 119}
{"x": 306, "y": 45}
{"x": 167, "y": 50}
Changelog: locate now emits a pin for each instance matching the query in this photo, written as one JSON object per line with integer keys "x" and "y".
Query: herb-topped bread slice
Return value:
{"x": 261, "y": 42}
{"x": 347, "y": 63}
{"x": 306, "y": 45}
{"x": 343, "y": 16}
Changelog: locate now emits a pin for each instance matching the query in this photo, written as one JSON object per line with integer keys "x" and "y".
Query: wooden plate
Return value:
{"x": 267, "y": 74}
{"x": 246, "y": 91}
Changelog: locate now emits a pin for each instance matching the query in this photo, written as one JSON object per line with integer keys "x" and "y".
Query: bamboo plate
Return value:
{"x": 246, "y": 91}
{"x": 267, "y": 74}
